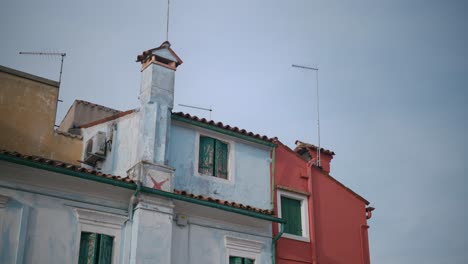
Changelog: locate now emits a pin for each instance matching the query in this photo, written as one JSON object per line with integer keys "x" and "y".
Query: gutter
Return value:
{"x": 133, "y": 186}
{"x": 273, "y": 243}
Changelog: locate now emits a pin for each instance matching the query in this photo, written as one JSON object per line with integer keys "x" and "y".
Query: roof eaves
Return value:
{"x": 224, "y": 129}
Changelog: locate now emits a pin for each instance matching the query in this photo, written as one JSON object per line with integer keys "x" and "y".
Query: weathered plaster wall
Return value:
{"x": 249, "y": 172}
{"x": 27, "y": 116}
{"x": 339, "y": 217}
{"x": 123, "y": 153}
{"x": 203, "y": 241}
{"x": 336, "y": 215}
{"x": 39, "y": 224}
{"x": 291, "y": 173}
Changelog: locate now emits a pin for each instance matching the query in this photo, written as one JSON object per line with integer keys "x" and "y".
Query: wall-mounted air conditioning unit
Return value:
{"x": 95, "y": 149}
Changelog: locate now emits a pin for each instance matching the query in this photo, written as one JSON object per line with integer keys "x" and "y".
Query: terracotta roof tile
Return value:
{"x": 61, "y": 164}
{"x": 228, "y": 203}
{"x": 301, "y": 146}
{"x": 72, "y": 167}
{"x": 226, "y": 127}
{"x": 109, "y": 118}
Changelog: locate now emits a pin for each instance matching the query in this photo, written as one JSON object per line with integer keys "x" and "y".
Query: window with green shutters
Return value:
{"x": 291, "y": 212}
{"x": 240, "y": 260}
{"x": 213, "y": 157}
{"x": 95, "y": 248}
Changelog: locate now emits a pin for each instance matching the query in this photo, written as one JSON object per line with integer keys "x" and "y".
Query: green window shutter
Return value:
{"x": 248, "y": 261}
{"x": 105, "y": 249}
{"x": 239, "y": 260}
{"x": 221, "y": 159}
{"x": 206, "y": 155}
{"x": 235, "y": 260}
{"x": 291, "y": 212}
{"x": 87, "y": 248}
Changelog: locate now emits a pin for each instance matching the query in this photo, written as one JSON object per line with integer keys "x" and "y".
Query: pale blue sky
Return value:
{"x": 393, "y": 88}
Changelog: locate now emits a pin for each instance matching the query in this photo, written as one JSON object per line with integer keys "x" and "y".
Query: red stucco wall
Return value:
{"x": 337, "y": 217}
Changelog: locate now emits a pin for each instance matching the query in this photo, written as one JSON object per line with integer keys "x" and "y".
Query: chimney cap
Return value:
{"x": 163, "y": 51}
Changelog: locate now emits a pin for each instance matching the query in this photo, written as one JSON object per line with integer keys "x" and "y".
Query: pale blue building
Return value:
{"x": 170, "y": 188}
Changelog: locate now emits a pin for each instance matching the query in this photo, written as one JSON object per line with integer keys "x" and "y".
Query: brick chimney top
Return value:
{"x": 309, "y": 151}
{"x": 162, "y": 55}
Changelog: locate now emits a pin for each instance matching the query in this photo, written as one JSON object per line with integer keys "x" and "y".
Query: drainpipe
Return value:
{"x": 132, "y": 202}
{"x": 272, "y": 176}
{"x": 273, "y": 243}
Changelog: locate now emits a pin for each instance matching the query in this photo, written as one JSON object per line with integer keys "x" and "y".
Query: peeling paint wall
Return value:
{"x": 122, "y": 154}
{"x": 38, "y": 221}
{"x": 27, "y": 116}
{"x": 204, "y": 241}
{"x": 249, "y": 179}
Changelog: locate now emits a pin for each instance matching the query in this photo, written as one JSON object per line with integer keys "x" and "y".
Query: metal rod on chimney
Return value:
{"x": 318, "y": 108}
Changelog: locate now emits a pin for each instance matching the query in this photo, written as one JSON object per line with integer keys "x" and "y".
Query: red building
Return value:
{"x": 327, "y": 222}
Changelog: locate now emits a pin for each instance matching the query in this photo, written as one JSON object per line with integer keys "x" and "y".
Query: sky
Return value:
{"x": 393, "y": 81}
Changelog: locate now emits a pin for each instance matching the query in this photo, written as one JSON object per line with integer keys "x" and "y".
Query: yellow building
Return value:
{"x": 28, "y": 105}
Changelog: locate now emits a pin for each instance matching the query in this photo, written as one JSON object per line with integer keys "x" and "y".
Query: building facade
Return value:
{"x": 28, "y": 105}
{"x": 155, "y": 187}
{"x": 326, "y": 221}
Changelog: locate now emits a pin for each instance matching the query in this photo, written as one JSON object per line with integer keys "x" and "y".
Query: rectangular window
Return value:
{"x": 95, "y": 248}
{"x": 213, "y": 157}
{"x": 239, "y": 260}
{"x": 291, "y": 212}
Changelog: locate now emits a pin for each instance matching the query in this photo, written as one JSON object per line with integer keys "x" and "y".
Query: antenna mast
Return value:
{"x": 318, "y": 108}
{"x": 196, "y": 107}
{"x": 167, "y": 21}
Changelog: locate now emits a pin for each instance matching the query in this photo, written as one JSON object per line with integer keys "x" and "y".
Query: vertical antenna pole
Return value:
{"x": 167, "y": 21}
{"x": 318, "y": 120}
{"x": 318, "y": 113}
{"x": 61, "y": 67}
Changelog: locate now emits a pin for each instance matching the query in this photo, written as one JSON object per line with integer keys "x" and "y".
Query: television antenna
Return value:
{"x": 48, "y": 54}
{"x": 197, "y": 107}
{"x": 318, "y": 108}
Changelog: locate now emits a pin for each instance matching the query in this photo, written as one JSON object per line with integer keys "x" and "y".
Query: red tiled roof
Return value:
{"x": 109, "y": 118}
{"x": 65, "y": 165}
{"x": 226, "y": 127}
{"x": 301, "y": 146}
{"x": 228, "y": 203}
{"x": 72, "y": 167}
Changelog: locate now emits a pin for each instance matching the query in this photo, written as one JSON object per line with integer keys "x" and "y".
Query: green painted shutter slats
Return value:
{"x": 206, "y": 153}
{"x": 213, "y": 157}
{"x": 291, "y": 211}
{"x": 248, "y": 261}
{"x": 235, "y": 260}
{"x": 105, "y": 249}
{"x": 95, "y": 249}
{"x": 239, "y": 260}
{"x": 87, "y": 248}
{"x": 221, "y": 159}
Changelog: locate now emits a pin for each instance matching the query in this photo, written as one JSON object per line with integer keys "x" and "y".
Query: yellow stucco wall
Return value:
{"x": 27, "y": 115}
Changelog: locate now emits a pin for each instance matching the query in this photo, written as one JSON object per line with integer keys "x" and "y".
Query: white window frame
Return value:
{"x": 100, "y": 223}
{"x": 304, "y": 213}
{"x": 244, "y": 248}
{"x": 231, "y": 150}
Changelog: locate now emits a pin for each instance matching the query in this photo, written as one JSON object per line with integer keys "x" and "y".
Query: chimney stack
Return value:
{"x": 158, "y": 68}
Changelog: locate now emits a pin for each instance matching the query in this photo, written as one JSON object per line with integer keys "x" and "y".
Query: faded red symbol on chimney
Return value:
{"x": 157, "y": 185}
